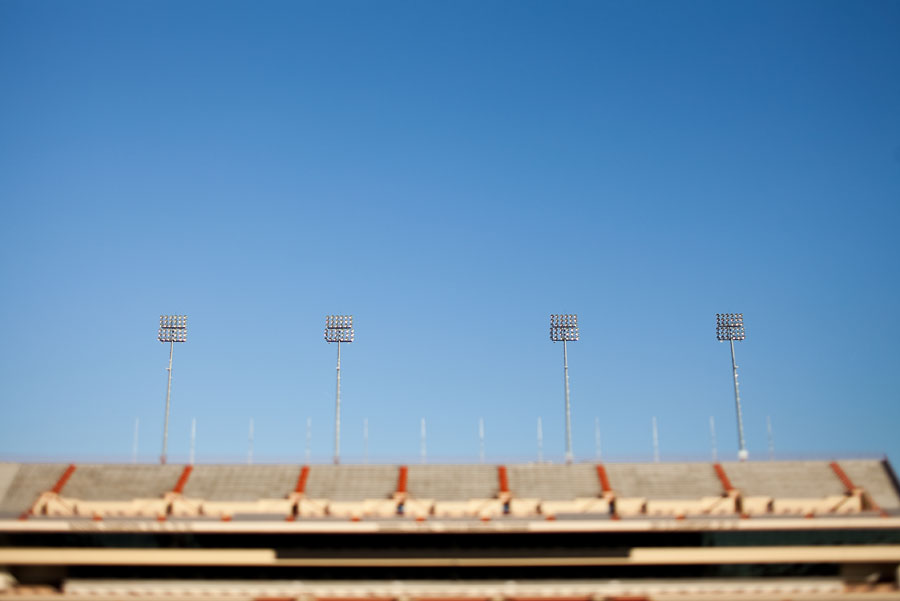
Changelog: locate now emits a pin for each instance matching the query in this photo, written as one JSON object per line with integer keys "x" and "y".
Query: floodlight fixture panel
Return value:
{"x": 172, "y": 328}
{"x": 339, "y": 328}
{"x": 729, "y": 326}
{"x": 563, "y": 327}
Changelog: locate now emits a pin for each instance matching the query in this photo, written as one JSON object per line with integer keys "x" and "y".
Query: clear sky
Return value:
{"x": 450, "y": 173}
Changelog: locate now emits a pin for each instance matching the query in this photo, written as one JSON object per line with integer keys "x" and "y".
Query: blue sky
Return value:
{"x": 450, "y": 174}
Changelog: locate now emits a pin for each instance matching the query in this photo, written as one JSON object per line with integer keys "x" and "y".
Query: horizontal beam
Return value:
{"x": 838, "y": 554}
{"x": 438, "y": 526}
{"x": 809, "y": 588}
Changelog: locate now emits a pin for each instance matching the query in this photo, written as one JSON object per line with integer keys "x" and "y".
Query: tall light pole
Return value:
{"x": 134, "y": 446}
{"x": 308, "y": 439}
{"x": 564, "y": 327}
{"x": 655, "y": 429}
{"x": 193, "y": 439}
{"x": 480, "y": 440}
{"x": 338, "y": 328}
{"x": 366, "y": 440}
{"x": 423, "y": 450}
{"x": 172, "y": 329}
{"x": 250, "y": 444}
{"x": 540, "y": 441}
{"x": 730, "y": 327}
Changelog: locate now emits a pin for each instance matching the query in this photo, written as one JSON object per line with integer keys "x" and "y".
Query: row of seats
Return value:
{"x": 449, "y": 482}
{"x": 358, "y": 491}
{"x": 52, "y": 505}
{"x": 291, "y": 508}
{"x": 298, "y": 506}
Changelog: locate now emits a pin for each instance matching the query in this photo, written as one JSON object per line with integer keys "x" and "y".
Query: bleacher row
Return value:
{"x": 292, "y": 492}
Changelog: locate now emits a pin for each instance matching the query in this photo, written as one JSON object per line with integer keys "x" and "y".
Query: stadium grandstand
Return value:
{"x": 526, "y": 532}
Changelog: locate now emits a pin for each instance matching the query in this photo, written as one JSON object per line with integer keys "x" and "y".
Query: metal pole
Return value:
{"x": 655, "y": 441}
{"x": 308, "y": 437}
{"x": 597, "y": 437}
{"x": 540, "y": 441}
{"x": 771, "y": 438}
{"x": 712, "y": 438}
{"x": 569, "y": 456}
{"x": 742, "y": 448}
{"x": 162, "y": 458}
{"x": 193, "y": 438}
{"x": 366, "y": 440}
{"x": 134, "y": 446}
{"x": 337, "y": 410}
{"x": 481, "y": 439}
{"x": 250, "y": 443}
{"x": 424, "y": 449}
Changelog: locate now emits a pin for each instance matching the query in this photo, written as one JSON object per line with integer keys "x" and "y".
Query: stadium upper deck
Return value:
{"x": 428, "y": 492}
{"x": 581, "y": 532}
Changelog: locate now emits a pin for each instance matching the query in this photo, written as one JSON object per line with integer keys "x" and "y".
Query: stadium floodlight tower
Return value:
{"x": 730, "y": 327}
{"x": 564, "y": 328}
{"x": 172, "y": 329}
{"x": 338, "y": 328}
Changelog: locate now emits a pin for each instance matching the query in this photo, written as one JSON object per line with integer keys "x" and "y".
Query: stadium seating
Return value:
{"x": 27, "y": 484}
{"x": 351, "y": 482}
{"x": 664, "y": 480}
{"x": 552, "y": 490}
{"x": 452, "y": 482}
{"x": 224, "y": 491}
{"x": 668, "y": 490}
{"x": 422, "y": 492}
{"x": 535, "y": 532}
{"x": 115, "y": 491}
{"x": 241, "y": 482}
{"x": 554, "y": 482}
{"x": 93, "y": 482}
{"x": 351, "y": 491}
{"x": 786, "y": 479}
{"x": 452, "y": 491}
{"x": 8, "y": 473}
{"x": 791, "y": 488}
{"x": 874, "y": 478}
